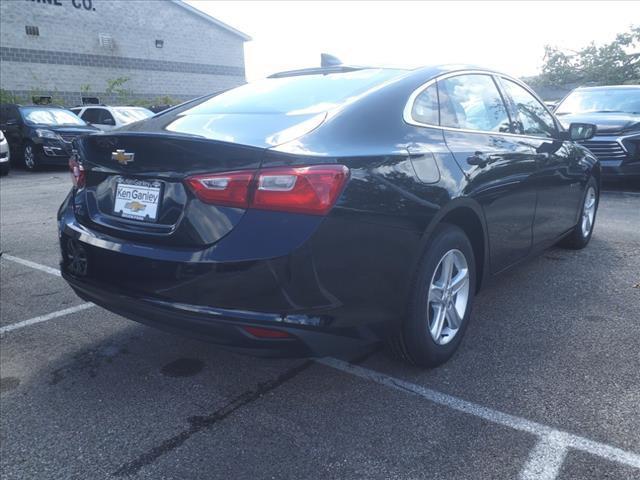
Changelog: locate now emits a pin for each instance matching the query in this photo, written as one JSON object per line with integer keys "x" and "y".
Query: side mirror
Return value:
{"x": 11, "y": 121}
{"x": 581, "y": 131}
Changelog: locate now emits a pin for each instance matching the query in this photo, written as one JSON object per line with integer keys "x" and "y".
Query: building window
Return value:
{"x": 31, "y": 30}
{"x": 159, "y": 43}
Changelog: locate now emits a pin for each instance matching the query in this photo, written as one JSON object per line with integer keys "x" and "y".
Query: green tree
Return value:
{"x": 10, "y": 97}
{"x": 116, "y": 86}
{"x": 617, "y": 62}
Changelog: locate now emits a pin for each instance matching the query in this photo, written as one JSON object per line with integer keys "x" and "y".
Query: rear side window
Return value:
{"x": 106, "y": 118}
{"x": 533, "y": 118}
{"x": 472, "y": 102}
{"x": 425, "y": 106}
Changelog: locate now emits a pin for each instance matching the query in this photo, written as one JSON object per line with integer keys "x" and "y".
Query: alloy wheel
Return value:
{"x": 448, "y": 297}
{"x": 29, "y": 157}
{"x": 588, "y": 211}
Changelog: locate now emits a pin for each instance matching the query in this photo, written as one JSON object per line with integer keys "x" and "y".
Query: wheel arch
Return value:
{"x": 467, "y": 215}
{"x": 596, "y": 172}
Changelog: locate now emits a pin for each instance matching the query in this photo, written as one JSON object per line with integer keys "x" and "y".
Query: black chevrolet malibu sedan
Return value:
{"x": 319, "y": 210}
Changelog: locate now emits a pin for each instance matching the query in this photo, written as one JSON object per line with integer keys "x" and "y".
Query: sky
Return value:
{"x": 506, "y": 36}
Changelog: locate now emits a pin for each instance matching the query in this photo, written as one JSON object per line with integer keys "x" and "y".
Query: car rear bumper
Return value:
{"x": 224, "y": 327}
{"x": 187, "y": 292}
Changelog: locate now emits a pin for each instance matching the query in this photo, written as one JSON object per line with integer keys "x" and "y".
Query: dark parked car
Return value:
{"x": 318, "y": 210}
{"x": 41, "y": 135}
{"x": 615, "y": 110}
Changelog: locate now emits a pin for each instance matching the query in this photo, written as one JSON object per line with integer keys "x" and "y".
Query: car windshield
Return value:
{"x": 623, "y": 100}
{"x": 50, "y": 116}
{"x": 302, "y": 94}
{"x": 128, "y": 115}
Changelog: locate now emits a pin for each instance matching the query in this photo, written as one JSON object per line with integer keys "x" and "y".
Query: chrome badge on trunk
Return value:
{"x": 122, "y": 157}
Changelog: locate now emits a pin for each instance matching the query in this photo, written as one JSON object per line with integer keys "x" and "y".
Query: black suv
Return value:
{"x": 39, "y": 134}
{"x": 615, "y": 110}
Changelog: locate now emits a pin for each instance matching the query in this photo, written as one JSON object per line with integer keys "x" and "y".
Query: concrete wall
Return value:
{"x": 198, "y": 57}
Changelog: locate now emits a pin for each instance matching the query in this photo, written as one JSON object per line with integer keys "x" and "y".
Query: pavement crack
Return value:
{"x": 204, "y": 422}
{"x": 46, "y": 294}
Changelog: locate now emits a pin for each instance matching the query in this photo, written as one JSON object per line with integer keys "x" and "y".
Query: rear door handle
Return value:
{"x": 479, "y": 159}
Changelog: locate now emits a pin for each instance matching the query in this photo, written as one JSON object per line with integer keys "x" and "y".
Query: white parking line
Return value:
{"x": 45, "y": 318}
{"x": 553, "y": 443}
{"x": 636, "y": 194}
{"x": 29, "y": 263}
{"x": 545, "y": 460}
{"x": 48, "y": 316}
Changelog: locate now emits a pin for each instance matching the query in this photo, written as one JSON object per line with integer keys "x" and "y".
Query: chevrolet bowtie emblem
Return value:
{"x": 135, "y": 206}
{"x": 122, "y": 157}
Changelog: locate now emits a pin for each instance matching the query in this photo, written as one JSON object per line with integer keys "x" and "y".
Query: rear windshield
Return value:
{"x": 304, "y": 94}
{"x": 622, "y": 100}
{"x": 50, "y": 116}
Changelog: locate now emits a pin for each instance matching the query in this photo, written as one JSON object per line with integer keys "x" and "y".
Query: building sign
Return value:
{"x": 77, "y": 4}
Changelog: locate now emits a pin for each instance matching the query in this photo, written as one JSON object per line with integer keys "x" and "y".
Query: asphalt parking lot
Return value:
{"x": 546, "y": 384}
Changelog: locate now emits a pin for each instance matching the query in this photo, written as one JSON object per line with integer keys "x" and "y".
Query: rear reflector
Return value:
{"x": 266, "y": 332}
{"x": 311, "y": 190}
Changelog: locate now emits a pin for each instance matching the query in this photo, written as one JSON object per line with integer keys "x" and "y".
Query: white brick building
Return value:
{"x": 70, "y": 48}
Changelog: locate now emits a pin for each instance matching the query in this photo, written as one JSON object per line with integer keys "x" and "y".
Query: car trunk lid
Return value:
{"x": 134, "y": 187}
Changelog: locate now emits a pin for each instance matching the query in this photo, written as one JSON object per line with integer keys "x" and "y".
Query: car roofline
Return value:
{"x": 328, "y": 70}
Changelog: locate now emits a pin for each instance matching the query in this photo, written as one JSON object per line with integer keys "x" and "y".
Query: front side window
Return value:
{"x": 106, "y": 118}
{"x": 533, "y": 118}
{"x": 92, "y": 115}
{"x": 425, "y": 106}
{"x": 472, "y": 102}
{"x": 50, "y": 116}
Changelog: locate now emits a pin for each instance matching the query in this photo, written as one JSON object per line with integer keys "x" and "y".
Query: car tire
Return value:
{"x": 579, "y": 237}
{"x": 29, "y": 157}
{"x": 4, "y": 169}
{"x": 438, "y": 314}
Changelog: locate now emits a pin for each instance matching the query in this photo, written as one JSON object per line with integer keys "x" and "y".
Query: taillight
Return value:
{"x": 312, "y": 190}
{"x": 260, "y": 332}
{"x": 230, "y": 189}
{"x": 77, "y": 172}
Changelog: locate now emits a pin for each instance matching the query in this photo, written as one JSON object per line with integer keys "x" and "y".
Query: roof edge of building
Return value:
{"x": 211, "y": 19}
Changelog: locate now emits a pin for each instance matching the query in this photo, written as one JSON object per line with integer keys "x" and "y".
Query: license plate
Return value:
{"x": 138, "y": 200}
